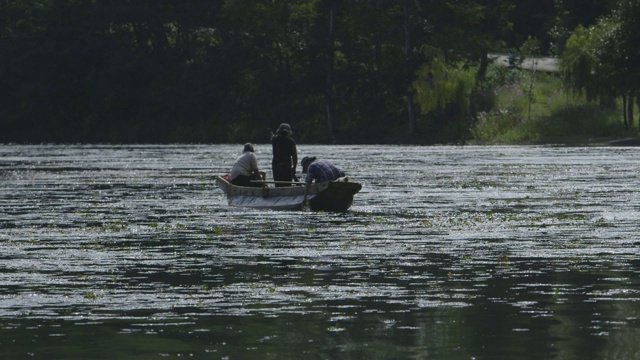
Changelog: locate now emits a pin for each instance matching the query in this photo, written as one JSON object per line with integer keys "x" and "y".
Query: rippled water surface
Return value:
{"x": 131, "y": 252}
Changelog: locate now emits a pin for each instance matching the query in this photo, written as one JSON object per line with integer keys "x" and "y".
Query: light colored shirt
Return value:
{"x": 246, "y": 164}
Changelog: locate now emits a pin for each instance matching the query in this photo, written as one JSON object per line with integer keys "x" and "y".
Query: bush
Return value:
{"x": 541, "y": 111}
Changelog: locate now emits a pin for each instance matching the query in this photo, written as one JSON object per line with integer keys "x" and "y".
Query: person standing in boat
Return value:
{"x": 318, "y": 171}
{"x": 245, "y": 169}
{"x": 285, "y": 155}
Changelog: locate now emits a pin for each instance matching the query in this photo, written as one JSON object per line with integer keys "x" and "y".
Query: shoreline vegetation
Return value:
{"x": 535, "y": 108}
{"x": 399, "y": 72}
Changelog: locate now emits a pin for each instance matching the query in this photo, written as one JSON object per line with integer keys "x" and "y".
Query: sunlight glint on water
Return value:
{"x": 447, "y": 252}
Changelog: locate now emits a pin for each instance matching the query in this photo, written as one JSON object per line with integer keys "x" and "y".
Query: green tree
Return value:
{"x": 603, "y": 61}
{"x": 456, "y": 39}
{"x": 225, "y": 71}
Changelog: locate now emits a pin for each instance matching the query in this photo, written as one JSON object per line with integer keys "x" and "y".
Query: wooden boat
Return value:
{"x": 335, "y": 196}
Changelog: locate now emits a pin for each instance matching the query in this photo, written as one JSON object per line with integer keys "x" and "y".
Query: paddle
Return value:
{"x": 306, "y": 205}
{"x": 276, "y": 182}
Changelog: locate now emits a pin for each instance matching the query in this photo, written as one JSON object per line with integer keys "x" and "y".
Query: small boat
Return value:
{"x": 334, "y": 196}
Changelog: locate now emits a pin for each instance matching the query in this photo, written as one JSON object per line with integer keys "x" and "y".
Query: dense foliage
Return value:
{"x": 228, "y": 71}
{"x": 603, "y": 61}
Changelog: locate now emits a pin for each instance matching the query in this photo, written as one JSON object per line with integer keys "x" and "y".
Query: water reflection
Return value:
{"x": 448, "y": 252}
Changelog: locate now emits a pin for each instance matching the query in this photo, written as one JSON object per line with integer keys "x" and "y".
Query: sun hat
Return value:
{"x": 307, "y": 159}
{"x": 285, "y": 129}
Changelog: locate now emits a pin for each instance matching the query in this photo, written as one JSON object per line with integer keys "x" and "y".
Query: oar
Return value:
{"x": 277, "y": 182}
{"x": 306, "y": 206}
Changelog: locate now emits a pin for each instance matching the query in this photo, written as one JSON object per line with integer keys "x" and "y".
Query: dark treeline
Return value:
{"x": 227, "y": 71}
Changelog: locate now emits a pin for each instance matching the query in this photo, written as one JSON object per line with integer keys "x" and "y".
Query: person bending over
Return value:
{"x": 318, "y": 171}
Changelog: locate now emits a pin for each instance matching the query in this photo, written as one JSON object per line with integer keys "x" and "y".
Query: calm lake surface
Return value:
{"x": 131, "y": 252}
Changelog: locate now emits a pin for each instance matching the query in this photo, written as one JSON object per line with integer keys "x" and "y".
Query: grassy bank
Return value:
{"x": 534, "y": 108}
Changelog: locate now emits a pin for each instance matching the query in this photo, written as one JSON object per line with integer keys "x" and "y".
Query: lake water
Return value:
{"x": 131, "y": 252}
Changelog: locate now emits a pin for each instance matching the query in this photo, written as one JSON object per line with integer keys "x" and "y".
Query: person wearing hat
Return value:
{"x": 318, "y": 171}
{"x": 285, "y": 155}
{"x": 245, "y": 169}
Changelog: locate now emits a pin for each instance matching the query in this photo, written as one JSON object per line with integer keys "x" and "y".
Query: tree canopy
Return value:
{"x": 603, "y": 60}
{"x": 227, "y": 71}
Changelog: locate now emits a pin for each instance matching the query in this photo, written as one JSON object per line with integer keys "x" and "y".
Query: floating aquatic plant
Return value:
{"x": 92, "y": 296}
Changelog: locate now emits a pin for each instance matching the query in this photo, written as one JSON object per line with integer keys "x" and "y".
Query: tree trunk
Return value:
{"x": 484, "y": 66}
{"x": 329, "y": 95}
{"x": 624, "y": 112}
{"x": 409, "y": 70}
{"x": 377, "y": 39}
{"x": 630, "y": 111}
{"x": 638, "y": 103}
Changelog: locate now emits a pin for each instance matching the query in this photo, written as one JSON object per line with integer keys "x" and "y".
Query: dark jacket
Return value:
{"x": 284, "y": 148}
